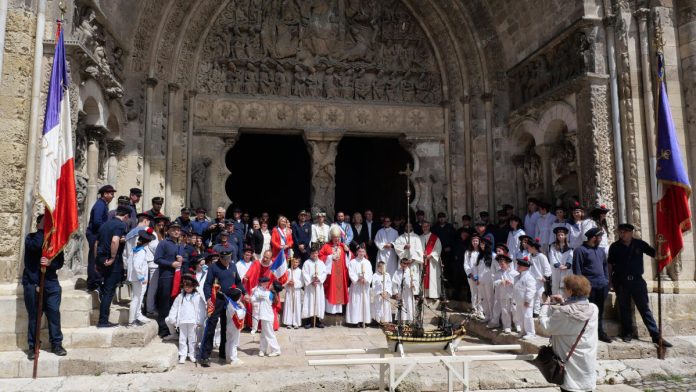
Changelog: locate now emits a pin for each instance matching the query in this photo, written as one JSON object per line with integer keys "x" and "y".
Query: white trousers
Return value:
{"x": 485, "y": 294}
{"x": 151, "y": 304}
{"x": 232, "y": 342}
{"x": 505, "y": 310}
{"x": 525, "y": 320}
{"x": 473, "y": 289}
{"x": 187, "y": 339}
{"x": 136, "y": 303}
{"x": 269, "y": 343}
{"x": 537, "y": 297}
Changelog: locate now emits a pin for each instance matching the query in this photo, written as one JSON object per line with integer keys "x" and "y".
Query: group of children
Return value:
{"x": 507, "y": 285}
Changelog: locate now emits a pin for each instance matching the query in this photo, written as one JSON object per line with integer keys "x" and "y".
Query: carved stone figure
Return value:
{"x": 331, "y": 84}
{"x": 251, "y": 83}
{"x": 534, "y": 181}
{"x": 200, "y": 188}
{"x": 363, "y": 88}
{"x": 323, "y": 157}
{"x": 266, "y": 85}
{"x": 281, "y": 82}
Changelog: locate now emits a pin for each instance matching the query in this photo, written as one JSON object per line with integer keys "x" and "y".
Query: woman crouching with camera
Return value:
{"x": 567, "y": 322}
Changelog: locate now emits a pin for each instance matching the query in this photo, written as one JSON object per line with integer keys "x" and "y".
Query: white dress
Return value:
{"x": 313, "y": 300}
{"x": 381, "y": 307}
{"x": 358, "y": 307}
{"x": 292, "y": 308}
{"x": 387, "y": 255}
{"x": 558, "y": 259}
{"x": 470, "y": 257}
{"x": 406, "y": 292}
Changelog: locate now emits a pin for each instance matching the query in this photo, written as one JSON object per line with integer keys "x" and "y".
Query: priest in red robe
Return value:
{"x": 258, "y": 269}
{"x": 336, "y": 256}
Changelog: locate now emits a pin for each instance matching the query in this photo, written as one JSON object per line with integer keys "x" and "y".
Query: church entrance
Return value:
{"x": 270, "y": 173}
{"x": 367, "y": 176}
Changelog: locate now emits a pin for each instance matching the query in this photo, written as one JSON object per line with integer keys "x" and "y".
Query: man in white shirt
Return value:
{"x": 543, "y": 227}
{"x": 530, "y": 220}
{"x": 384, "y": 241}
{"x": 409, "y": 246}
{"x": 320, "y": 230}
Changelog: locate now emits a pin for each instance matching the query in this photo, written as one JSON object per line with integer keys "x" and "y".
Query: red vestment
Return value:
{"x": 336, "y": 284}
{"x": 250, "y": 281}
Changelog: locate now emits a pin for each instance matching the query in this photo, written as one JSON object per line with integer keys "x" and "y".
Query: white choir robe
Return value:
{"x": 407, "y": 292}
{"x": 313, "y": 300}
{"x": 414, "y": 252}
{"x": 358, "y": 307}
{"x": 292, "y": 308}
{"x": 434, "y": 268}
{"x": 381, "y": 307}
{"x": 320, "y": 234}
{"x": 387, "y": 255}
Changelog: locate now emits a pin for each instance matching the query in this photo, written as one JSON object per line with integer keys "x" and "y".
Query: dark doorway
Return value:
{"x": 367, "y": 176}
{"x": 270, "y": 173}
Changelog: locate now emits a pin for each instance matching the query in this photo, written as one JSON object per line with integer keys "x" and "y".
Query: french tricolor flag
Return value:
{"x": 57, "y": 177}
{"x": 280, "y": 267}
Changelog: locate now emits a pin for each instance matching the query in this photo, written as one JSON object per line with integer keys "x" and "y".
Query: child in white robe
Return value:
{"x": 485, "y": 269}
{"x": 561, "y": 260}
{"x": 187, "y": 313}
{"x": 404, "y": 284}
{"x": 503, "y": 282}
{"x": 541, "y": 270}
{"x": 381, "y": 292}
{"x": 360, "y": 273}
{"x": 138, "y": 273}
{"x": 313, "y": 277}
{"x": 524, "y": 292}
{"x": 236, "y": 313}
{"x": 292, "y": 308}
{"x": 264, "y": 295}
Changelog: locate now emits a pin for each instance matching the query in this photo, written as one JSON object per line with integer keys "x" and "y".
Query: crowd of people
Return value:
{"x": 209, "y": 279}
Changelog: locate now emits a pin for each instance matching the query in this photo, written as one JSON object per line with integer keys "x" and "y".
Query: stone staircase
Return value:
{"x": 91, "y": 351}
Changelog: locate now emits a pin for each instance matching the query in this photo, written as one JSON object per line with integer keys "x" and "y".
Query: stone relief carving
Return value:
{"x": 200, "y": 182}
{"x": 100, "y": 56}
{"x": 323, "y": 158}
{"x": 73, "y": 252}
{"x": 551, "y": 67}
{"x": 356, "y": 50}
{"x": 534, "y": 179}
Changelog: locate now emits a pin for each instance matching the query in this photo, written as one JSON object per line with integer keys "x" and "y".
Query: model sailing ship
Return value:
{"x": 415, "y": 336}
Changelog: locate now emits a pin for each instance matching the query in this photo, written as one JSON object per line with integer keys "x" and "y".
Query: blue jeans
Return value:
{"x": 112, "y": 277}
{"x": 51, "y": 308}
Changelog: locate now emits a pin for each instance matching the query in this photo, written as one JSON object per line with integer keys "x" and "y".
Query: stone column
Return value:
{"x": 94, "y": 138}
{"x": 429, "y": 179}
{"x": 147, "y": 140}
{"x": 488, "y": 101}
{"x": 189, "y": 145}
{"x": 520, "y": 187}
{"x": 171, "y": 135}
{"x": 468, "y": 189}
{"x": 114, "y": 147}
{"x": 545, "y": 152}
{"x": 595, "y": 152}
{"x": 322, "y": 148}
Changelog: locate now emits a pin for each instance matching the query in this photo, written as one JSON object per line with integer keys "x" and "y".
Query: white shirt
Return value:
{"x": 262, "y": 297}
{"x": 543, "y": 229}
{"x": 415, "y": 251}
{"x": 320, "y": 234}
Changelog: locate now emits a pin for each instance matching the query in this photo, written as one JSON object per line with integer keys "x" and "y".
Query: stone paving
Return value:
{"x": 663, "y": 383}
{"x": 290, "y": 371}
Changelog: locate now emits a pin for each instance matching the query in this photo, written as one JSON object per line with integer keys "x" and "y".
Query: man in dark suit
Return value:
{"x": 371, "y": 227}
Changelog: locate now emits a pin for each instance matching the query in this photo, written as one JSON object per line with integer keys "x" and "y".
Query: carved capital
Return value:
{"x": 487, "y": 97}
{"x": 115, "y": 146}
{"x": 95, "y": 134}
{"x": 322, "y": 136}
{"x": 642, "y": 14}
{"x": 466, "y": 99}
{"x": 173, "y": 87}
{"x": 545, "y": 151}
{"x": 609, "y": 20}
{"x": 151, "y": 82}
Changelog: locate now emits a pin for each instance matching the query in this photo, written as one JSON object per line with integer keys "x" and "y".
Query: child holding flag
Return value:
{"x": 237, "y": 313}
{"x": 264, "y": 296}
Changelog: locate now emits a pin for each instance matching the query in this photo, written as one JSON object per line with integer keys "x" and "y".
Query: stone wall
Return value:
{"x": 15, "y": 103}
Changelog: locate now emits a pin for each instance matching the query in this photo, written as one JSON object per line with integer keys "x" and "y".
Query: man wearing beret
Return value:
{"x": 185, "y": 220}
{"x": 33, "y": 261}
{"x": 156, "y": 209}
{"x": 169, "y": 256}
{"x": 626, "y": 270}
{"x": 97, "y": 217}
{"x": 110, "y": 245}
{"x": 135, "y": 195}
{"x": 589, "y": 260}
{"x": 123, "y": 201}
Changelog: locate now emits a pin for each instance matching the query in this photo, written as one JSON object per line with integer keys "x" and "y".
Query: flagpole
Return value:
{"x": 659, "y": 45}
{"x": 39, "y": 316}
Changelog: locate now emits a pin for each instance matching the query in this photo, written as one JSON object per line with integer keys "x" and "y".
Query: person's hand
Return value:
{"x": 247, "y": 298}
{"x": 527, "y": 305}
{"x": 291, "y": 283}
{"x": 361, "y": 280}
{"x": 122, "y": 239}
{"x": 176, "y": 264}
{"x": 611, "y": 286}
{"x": 407, "y": 246}
{"x": 109, "y": 261}
{"x": 316, "y": 282}
{"x": 387, "y": 246}
{"x": 346, "y": 247}
{"x": 45, "y": 262}
{"x": 563, "y": 267}
{"x": 556, "y": 299}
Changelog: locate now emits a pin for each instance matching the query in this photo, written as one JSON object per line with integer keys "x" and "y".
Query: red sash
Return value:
{"x": 428, "y": 250}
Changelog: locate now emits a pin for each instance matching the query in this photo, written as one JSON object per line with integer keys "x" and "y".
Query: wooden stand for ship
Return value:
{"x": 414, "y": 337}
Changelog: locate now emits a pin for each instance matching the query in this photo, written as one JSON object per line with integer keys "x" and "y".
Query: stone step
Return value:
{"x": 154, "y": 358}
{"x": 93, "y": 337}
{"x": 118, "y": 314}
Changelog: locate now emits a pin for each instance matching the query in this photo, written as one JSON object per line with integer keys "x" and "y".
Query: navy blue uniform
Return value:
{"x": 590, "y": 262}
{"x": 627, "y": 277}
{"x": 113, "y": 273}
{"x": 165, "y": 255}
{"x": 97, "y": 217}
{"x": 185, "y": 224}
{"x": 226, "y": 277}
{"x": 199, "y": 227}
{"x": 302, "y": 234}
{"x": 52, "y": 290}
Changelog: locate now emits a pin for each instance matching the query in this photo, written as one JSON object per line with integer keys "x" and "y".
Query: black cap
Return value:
{"x": 508, "y": 207}
{"x": 123, "y": 199}
{"x": 503, "y": 247}
{"x": 211, "y": 254}
{"x": 303, "y": 212}
{"x": 160, "y": 218}
{"x": 576, "y": 206}
{"x": 248, "y": 248}
{"x": 600, "y": 209}
{"x": 136, "y": 191}
{"x": 502, "y": 213}
{"x": 225, "y": 233}
{"x": 174, "y": 225}
{"x": 106, "y": 188}
{"x": 158, "y": 200}
{"x": 277, "y": 286}
{"x": 143, "y": 214}
{"x": 264, "y": 279}
{"x": 190, "y": 278}
{"x": 123, "y": 210}
{"x": 523, "y": 261}
{"x": 185, "y": 210}
{"x": 560, "y": 228}
{"x": 483, "y": 213}
{"x": 526, "y": 237}
{"x": 441, "y": 215}
{"x": 236, "y": 209}
{"x": 225, "y": 253}
{"x": 593, "y": 232}
{"x": 626, "y": 227}
{"x": 144, "y": 236}
{"x": 503, "y": 258}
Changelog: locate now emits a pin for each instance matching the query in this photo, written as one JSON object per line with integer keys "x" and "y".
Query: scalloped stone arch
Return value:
{"x": 558, "y": 111}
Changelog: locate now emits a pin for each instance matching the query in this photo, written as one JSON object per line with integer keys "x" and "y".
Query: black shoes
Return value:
{"x": 605, "y": 338}
{"x": 308, "y": 326}
{"x": 320, "y": 324}
{"x": 665, "y": 343}
{"x": 59, "y": 350}
{"x": 627, "y": 338}
{"x": 31, "y": 354}
{"x": 205, "y": 362}
{"x": 107, "y": 325}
